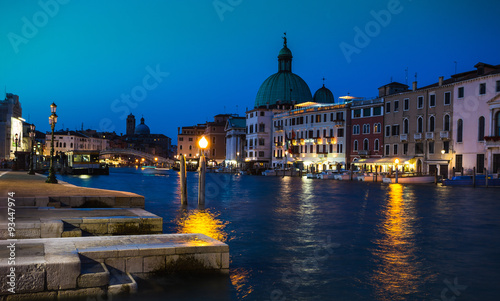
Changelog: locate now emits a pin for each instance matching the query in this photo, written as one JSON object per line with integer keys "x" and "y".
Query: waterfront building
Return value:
{"x": 142, "y": 139}
{"x": 187, "y": 141}
{"x": 216, "y": 136}
{"x": 366, "y": 134}
{"x": 310, "y": 136}
{"x": 476, "y": 119}
{"x": 235, "y": 140}
{"x": 417, "y": 126}
{"x": 277, "y": 94}
{"x": 11, "y": 123}
{"x": 65, "y": 141}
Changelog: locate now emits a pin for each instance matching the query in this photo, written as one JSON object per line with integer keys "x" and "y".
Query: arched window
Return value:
{"x": 355, "y": 145}
{"x": 460, "y": 130}
{"x": 431, "y": 123}
{"x": 480, "y": 134}
{"x": 497, "y": 124}
{"x": 420, "y": 125}
{"x": 446, "y": 123}
{"x": 406, "y": 126}
{"x": 376, "y": 145}
{"x": 366, "y": 144}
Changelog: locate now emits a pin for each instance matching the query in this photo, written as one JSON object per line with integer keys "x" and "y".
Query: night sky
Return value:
{"x": 188, "y": 60}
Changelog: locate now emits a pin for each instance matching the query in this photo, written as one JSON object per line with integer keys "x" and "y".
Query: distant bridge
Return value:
{"x": 133, "y": 152}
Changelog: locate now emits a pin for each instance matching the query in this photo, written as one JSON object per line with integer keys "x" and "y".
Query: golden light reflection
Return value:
{"x": 204, "y": 222}
{"x": 239, "y": 279}
{"x": 397, "y": 273}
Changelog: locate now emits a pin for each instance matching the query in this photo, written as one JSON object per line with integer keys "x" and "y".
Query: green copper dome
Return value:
{"x": 323, "y": 95}
{"x": 283, "y": 86}
{"x": 142, "y": 129}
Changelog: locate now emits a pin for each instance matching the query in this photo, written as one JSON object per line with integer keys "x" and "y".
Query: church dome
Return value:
{"x": 283, "y": 86}
{"x": 323, "y": 95}
{"x": 142, "y": 129}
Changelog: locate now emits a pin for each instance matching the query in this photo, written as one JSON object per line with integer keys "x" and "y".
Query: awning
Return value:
{"x": 437, "y": 161}
{"x": 388, "y": 160}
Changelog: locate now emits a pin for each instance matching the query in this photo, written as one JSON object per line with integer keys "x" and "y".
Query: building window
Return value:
{"x": 366, "y": 129}
{"x": 262, "y": 141}
{"x": 406, "y": 104}
{"x": 406, "y": 126}
{"x": 367, "y": 112}
{"x": 482, "y": 88}
{"x": 460, "y": 129}
{"x": 432, "y": 100}
{"x": 340, "y": 149}
{"x": 431, "y": 147}
{"x": 190, "y": 147}
{"x": 405, "y": 149}
{"x": 331, "y": 133}
{"x": 357, "y": 113}
{"x": 181, "y": 138}
{"x": 395, "y": 149}
{"x": 261, "y": 154}
{"x": 377, "y": 111}
{"x": 366, "y": 145}
{"x": 420, "y": 125}
{"x": 331, "y": 148}
{"x": 71, "y": 145}
{"x": 387, "y": 130}
{"x": 396, "y": 105}
{"x": 420, "y": 102}
{"x": 419, "y": 148}
{"x": 213, "y": 152}
{"x": 395, "y": 130}
{"x": 461, "y": 92}
{"x": 388, "y": 107}
{"x": 431, "y": 123}
{"x": 387, "y": 149}
{"x": 213, "y": 140}
{"x": 497, "y": 124}
{"x": 446, "y": 123}
{"x": 498, "y": 85}
{"x": 458, "y": 162}
{"x": 447, "y": 98}
{"x": 340, "y": 133}
{"x": 355, "y": 148}
{"x": 324, "y": 117}
{"x": 262, "y": 113}
{"x": 355, "y": 129}
{"x": 446, "y": 146}
{"x": 481, "y": 129}
{"x": 480, "y": 163}
{"x": 377, "y": 128}
{"x": 376, "y": 145}
{"x": 180, "y": 147}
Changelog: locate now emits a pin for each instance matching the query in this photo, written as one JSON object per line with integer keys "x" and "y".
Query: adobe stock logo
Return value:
{"x": 372, "y": 29}
{"x": 49, "y": 9}
{"x": 223, "y": 6}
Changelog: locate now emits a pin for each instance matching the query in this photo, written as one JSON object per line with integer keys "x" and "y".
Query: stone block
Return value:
{"x": 95, "y": 220}
{"x": 93, "y": 274}
{"x": 62, "y": 271}
{"x": 99, "y": 252}
{"x": 209, "y": 260}
{"x": 136, "y": 202}
{"x": 41, "y": 201}
{"x": 122, "y": 202}
{"x": 134, "y": 265}
{"x": 155, "y": 249}
{"x": 117, "y": 263}
{"x": 225, "y": 260}
{"x": 51, "y": 229}
{"x": 76, "y": 201}
{"x": 25, "y": 201}
{"x": 153, "y": 263}
{"x": 129, "y": 286}
{"x": 27, "y": 233}
{"x": 42, "y": 296}
{"x": 95, "y": 229}
{"x": 72, "y": 233}
{"x": 84, "y": 294}
{"x": 30, "y": 275}
{"x": 128, "y": 250}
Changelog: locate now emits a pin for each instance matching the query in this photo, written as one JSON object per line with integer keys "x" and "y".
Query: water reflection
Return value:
{"x": 240, "y": 281}
{"x": 396, "y": 274}
{"x": 202, "y": 221}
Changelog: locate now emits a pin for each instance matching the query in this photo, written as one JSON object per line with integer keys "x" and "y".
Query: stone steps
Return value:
{"x": 120, "y": 282}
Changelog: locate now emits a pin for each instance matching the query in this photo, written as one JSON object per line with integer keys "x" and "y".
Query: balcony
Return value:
{"x": 417, "y": 136}
{"x": 429, "y": 136}
{"x": 492, "y": 141}
{"x": 363, "y": 152}
{"x": 339, "y": 122}
{"x": 445, "y": 135}
{"x": 403, "y": 137}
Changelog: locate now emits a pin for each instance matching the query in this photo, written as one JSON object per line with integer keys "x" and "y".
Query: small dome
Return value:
{"x": 323, "y": 95}
{"x": 142, "y": 129}
{"x": 285, "y": 52}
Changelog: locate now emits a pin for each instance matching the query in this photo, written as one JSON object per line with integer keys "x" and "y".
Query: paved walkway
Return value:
{"x": 29, "y": 187}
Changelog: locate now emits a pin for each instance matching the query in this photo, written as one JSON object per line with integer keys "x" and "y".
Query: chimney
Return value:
{"x": 178, "y": 130}
{"x": 441, "y": 80}
{"x": 414, "y": 86}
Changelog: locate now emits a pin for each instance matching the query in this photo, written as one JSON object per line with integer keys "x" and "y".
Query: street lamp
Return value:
{"x": 442, "y": 152}
{"x": 237, "y": 159}
{"x": 32, "y": 161}
{"x": 52, "y": 121}
{"x": 203, "y": 143}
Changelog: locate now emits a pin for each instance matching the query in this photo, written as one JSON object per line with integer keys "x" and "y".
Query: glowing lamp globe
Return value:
{"x": 203, "y": 143}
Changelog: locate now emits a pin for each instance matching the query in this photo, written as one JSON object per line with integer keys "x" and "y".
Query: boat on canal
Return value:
{"x": 493, "y": 180}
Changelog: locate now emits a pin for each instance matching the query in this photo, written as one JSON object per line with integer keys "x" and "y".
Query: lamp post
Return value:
{"x": 203, "y": 143}
{"x": 237, "y": 160}
{"x": 32, "y": 161}
{"x": 397, "y": 170}
{"x": 52, "y": 121}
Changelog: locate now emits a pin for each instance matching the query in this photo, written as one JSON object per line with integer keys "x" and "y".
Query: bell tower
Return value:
{"x": 130, "y": 125}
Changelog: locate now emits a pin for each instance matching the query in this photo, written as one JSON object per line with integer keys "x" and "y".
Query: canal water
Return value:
{"x": 304, "y": 239}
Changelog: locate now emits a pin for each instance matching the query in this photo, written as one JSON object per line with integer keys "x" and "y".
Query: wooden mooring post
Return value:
{"x": 183, "y": 180}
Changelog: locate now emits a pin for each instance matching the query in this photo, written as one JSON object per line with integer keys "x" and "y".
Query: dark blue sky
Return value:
{"x": 84, "y": 55}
